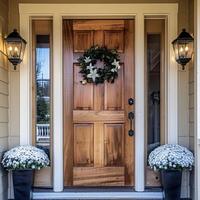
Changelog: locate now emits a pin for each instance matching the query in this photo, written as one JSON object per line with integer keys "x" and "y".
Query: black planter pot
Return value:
{"x": 171, "y": 182}
{"x": 22, "y": 183}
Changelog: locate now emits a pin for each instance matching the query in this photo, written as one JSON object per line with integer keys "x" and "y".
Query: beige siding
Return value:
{"x": 191, "y": 99}
{"x": 191, "y": 107}
{"x": 191, "y": 122}
{"x": 3, "y": 98}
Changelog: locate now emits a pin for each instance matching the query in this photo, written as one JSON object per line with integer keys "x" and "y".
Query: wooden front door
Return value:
{"x": 97, "y": 148}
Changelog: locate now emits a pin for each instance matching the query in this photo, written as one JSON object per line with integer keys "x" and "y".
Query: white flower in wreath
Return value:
{"x": 87, "y": 59}
{"x": 116, "y": 64}
{"x": 93, "y": 74}
{"x": 90, "y": 67}
{"x": 114, "y": 69}
{"x": 84, "y": 82}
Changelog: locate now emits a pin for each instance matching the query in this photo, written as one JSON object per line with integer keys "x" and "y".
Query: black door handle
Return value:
{"x": 131, "y": 116}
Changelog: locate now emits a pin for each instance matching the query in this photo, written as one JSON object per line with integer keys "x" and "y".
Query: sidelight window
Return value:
{"x": 42, "y": 95}
{"x": 155, "y": 90}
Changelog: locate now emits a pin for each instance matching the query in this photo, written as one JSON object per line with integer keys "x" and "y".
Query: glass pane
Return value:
{"x": 14, "y": 49}
{"x": 153, "y": 73}
{"x": 42, "y": 71}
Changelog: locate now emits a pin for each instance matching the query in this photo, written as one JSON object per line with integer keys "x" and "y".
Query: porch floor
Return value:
{"x": 116, "y": 199}
{"x": 94, "y": 193}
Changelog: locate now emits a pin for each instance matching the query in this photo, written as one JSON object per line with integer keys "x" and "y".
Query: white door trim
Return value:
{"x": 57, "y": 12}
{"x": 139, "y": 102}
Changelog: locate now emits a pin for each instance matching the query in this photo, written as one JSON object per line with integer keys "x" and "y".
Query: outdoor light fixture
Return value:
{"x": 15, "y": 47}
{"x": 183, "y": 48}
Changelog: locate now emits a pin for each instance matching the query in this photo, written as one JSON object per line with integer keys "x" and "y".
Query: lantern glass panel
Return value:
{"x": 14, "y": 50}
{"x": 22, "y": 50}
{"x": 183, "y": 51}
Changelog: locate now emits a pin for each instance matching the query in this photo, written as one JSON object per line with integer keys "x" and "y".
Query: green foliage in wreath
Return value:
{"x": 91, "y": 73}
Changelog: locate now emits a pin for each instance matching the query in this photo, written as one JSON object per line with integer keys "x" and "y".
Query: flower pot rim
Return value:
{"x": 172, "y": 170}
{"x": 20, "y": 169}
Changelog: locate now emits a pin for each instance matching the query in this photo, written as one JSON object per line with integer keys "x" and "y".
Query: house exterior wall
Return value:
{"x": 183, "y": 83}
{"x": 183, "y": 21}
{"x": 191, "y": 121}
{"x": 191, "y": 99}
{"x": 3, "y": 96}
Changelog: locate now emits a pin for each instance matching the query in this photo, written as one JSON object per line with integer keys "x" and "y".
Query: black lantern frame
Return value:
{"x": 15, "y": 48}
{"x": 183, "y": 47}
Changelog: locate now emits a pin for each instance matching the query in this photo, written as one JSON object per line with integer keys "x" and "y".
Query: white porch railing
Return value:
{"x": 43, "y": 133}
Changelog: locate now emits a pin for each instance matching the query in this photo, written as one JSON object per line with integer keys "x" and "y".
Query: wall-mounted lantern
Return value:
{"x": 183, "y": 48}
{"x": 15, "y": 47}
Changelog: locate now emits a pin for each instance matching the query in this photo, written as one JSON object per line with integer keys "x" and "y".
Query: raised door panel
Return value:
{"x": 114, "y": 144}
{"x": 83, "y": 94}
{"x": 114, "y": 40}
{"x": 82, "y": 40}
{"x": 83, "y": 144}
{"x": 114, "y": 93}
{"x": 98, "y": 176}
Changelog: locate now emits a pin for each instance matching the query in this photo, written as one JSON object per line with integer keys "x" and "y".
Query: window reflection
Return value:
{"x": 153, "y": 67}
{"x": 42, "y": 70}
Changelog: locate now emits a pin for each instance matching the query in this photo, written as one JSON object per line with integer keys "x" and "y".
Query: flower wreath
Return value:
{"x": 93, "y": 74}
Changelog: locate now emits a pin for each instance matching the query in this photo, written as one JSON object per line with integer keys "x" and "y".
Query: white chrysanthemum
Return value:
{"x": 25, "y": 157}
{"x": 171, "y": 156}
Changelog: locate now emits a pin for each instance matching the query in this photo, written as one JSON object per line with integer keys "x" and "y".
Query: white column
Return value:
{"x": 57, "y": 105}
{"x": 139, "y": 103}
{"x": 197, "y": 98}
{"x": 172, "y": 82}
{"x": 25, "y": 85}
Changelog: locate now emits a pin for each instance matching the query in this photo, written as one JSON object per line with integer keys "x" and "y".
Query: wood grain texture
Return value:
{"x": 114, "y": 144}
{"x": 114, "y": 93}
{"x": 100, "y": 116}
{"x": 83, "y": 144}
{"x": 43, "y": 177}
{"x": 115, "y": 40}
{"x": 129, "y": 76}
{"x": 98, "y": 176}
{"x": 152, "y": 178}
{"x": 99, "y": 89}
{"x": 98, "y": 25}
{"x": 103, "y": 107}
{"x": 99, "y": 144}
{"x": 83, "y": 94}
{"x": 83, "y": 40}
{"x": 68, "y": 101}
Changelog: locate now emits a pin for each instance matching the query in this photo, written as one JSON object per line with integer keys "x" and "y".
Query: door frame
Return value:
{"x": 57, "y": 12}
